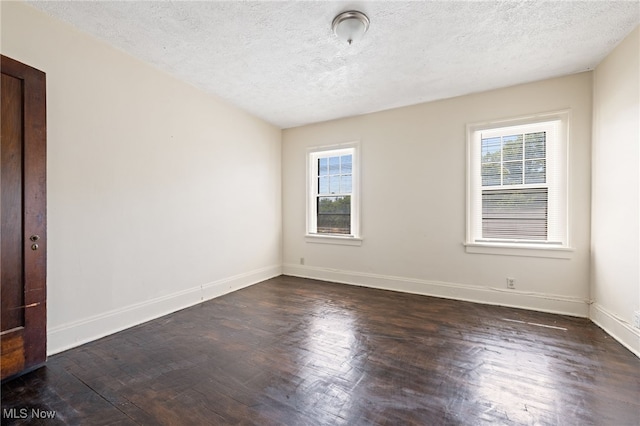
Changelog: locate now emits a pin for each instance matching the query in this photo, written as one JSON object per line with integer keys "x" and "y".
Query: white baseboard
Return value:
{"x": 76, "y": 333}
{"x": 616, "y": 328}
{"x": 552, "y": 303}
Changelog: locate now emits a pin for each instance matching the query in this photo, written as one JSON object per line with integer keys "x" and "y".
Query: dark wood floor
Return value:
{"x": 300, "y": 352}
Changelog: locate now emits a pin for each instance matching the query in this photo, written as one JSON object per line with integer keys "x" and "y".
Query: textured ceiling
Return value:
{"x": 281, "y": 62}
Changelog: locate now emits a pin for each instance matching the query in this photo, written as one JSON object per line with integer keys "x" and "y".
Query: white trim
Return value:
{"x": 527, "y": 250}
{"x": 333, "y": 239}
{"x": 553, "y": 303}
{"x": 519, "y": 120}
{"x": 616, "y": 327}
{"x": 76, "y": 333}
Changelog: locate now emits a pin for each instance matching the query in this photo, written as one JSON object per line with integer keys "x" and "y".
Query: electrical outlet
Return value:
{"x": 511, "y": 283}
{"x": 636, "y": 319}
{"x": 302, "y": 260}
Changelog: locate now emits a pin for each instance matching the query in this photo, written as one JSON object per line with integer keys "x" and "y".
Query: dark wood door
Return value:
{"x": 23, "y": 248}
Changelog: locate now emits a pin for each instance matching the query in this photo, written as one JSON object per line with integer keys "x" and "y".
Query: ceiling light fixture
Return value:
{"x": 350, "y": 26}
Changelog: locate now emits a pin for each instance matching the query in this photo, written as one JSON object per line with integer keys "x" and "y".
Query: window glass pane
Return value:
{"x": 512, "y": 148}
{"x": 323, "y": 168}
{"x": 334, "y": 165}
{"x": 323, "y": 185}
{"x": 515, "y": 214}
{"x": 512, "y": 173}
{"x": 491, "y": 174}
{"x": 345, "y": 184}
{"x": 535, "y": 171}
{"x": 535, "y": 145}
{"x": 334, "y": 215}
{"x": 334, "y": 205}
{"x": 346, "y": 164}
{"x": 334, "y": 184}
{"x": 491, "y": 150}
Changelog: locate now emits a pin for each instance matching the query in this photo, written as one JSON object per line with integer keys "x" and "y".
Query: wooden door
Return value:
{"x": 23, "y": 334}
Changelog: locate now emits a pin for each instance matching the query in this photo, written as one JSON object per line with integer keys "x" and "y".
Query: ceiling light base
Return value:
{"x": 350, "y": 26}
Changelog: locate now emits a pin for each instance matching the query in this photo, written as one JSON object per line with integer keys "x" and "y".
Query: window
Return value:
{"x": 332, "y": 205}
{"x": 516, "y": 186}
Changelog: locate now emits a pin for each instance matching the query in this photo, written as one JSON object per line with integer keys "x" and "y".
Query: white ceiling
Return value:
{"x": 280, "y": 61}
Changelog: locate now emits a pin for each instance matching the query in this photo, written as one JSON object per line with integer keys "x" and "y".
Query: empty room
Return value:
{"x": 320, "y": 213}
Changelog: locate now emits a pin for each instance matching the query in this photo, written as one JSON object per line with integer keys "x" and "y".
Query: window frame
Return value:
{"x": 557, "y": 172}
{"x": 313, "y": 154}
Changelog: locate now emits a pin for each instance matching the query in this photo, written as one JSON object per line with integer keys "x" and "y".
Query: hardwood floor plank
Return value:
{"x": 292, "y": 351}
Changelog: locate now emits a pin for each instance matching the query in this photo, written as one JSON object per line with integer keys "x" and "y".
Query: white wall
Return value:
{"x": 413, "y": 202}
{"x": 615, "y": 246}
{"x": 159, "y": 195}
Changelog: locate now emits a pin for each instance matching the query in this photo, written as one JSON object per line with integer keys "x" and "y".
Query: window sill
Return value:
{"x": 530, "y": 250}
{"x": 333, "y": 239}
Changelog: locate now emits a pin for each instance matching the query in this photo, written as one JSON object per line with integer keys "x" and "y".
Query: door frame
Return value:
{"x": 34, "y": 334}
